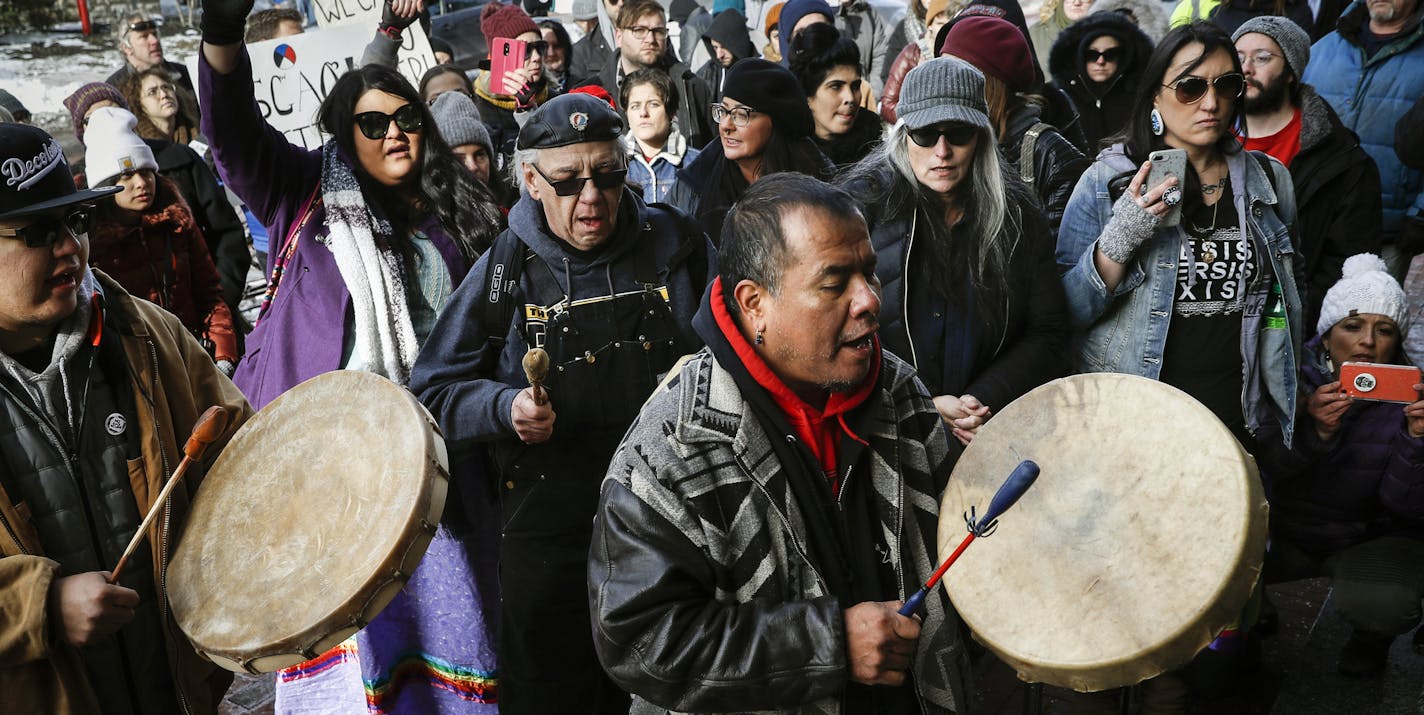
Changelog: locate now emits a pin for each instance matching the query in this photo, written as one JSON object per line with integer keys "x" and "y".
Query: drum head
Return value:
{"x": 1140, "y": 541}
{"x": 309, "y": 522}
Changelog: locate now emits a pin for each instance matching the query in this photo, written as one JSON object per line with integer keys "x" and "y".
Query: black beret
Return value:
{"x": 772, "y": 90}
{"x": 570, "y": 119}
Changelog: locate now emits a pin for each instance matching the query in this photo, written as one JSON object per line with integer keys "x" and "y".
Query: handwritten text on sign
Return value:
{"x": 292, "y": 75}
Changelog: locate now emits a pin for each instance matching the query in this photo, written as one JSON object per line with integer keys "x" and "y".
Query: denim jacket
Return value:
{"x": 1125, "y": 330}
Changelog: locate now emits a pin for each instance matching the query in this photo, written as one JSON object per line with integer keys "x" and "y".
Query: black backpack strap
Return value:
{"x": 502, "y": 272}
{"x": 1027, "y": 150}
{"x": 693, "y": 247}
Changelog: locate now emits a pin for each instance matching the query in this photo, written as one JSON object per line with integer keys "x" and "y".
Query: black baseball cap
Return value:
{"x": 34, "y": 175}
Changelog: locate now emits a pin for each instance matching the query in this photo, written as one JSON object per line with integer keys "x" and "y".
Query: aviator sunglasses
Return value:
{"x": 570, "y": 187}
{"x": 1190, "y": 90}
{"x": 955, "y": 134}
{"x": 52, "y": 229}
{"x": 375, "y": 125}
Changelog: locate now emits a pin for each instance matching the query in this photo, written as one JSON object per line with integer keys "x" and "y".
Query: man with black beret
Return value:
{"x": 607, "y": 286}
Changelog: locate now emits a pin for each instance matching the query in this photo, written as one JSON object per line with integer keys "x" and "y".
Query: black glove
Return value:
{"x": 1411, "y": 236}
{"x": 224, "y": 21}
{"x": 393, "y": 24}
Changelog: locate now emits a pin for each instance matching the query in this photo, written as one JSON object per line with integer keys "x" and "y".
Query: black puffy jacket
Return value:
{"x": 1057, "y": 164}
{"x": 1103, "y": 109}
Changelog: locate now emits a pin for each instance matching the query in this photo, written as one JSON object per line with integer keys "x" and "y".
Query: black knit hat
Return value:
{"x": 772, "y": 90}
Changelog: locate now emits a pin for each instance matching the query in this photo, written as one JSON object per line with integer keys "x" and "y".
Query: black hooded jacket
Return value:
{"x": 729, "y": 29}
{"x": 1103, "y": 108}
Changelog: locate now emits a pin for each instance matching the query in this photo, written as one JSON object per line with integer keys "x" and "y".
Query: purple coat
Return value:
{"x": 1365, "y": 483}
{"x": 304, "y": 330}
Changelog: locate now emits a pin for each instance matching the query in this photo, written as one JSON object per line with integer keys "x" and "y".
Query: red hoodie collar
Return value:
{"x": 837, "y": 405}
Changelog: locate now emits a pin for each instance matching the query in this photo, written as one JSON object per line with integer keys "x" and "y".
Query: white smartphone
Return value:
{"x": 1165, "y": 163}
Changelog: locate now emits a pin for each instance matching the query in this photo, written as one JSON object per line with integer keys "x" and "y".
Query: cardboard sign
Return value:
{"x": 292, "y": 75}
{"x": 336, "y": 13}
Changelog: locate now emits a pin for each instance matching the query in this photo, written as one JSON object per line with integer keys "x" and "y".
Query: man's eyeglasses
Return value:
{"x": 143, "y": 26}
{"x": 1190, "y": 90}
{"x": 375, "y": 125}
{"x": 741, "y": 116}
{"x": 1111, "y": 54}
{"x": 1259, "y": 58}
{"x": 640, "y": 32}
{"x": 50, "y": 230}
{"x": 955, "y": 134}
{"x": 571, "y": 187}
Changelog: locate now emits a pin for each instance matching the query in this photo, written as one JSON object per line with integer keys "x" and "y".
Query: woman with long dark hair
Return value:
{"x": 1191, "y": 280}
{"x": 764, "y": 127}
{"x": 371, "y": 233}
{"x": 966, "y": 260}
{"x": 827, "y": 64}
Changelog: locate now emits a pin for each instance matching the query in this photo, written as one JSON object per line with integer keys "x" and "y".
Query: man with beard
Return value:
{"x": 642, "y": 41}
{"x": 775, "y": 500}
{"x": 1370, "y": 70}
{"x": 1337, "y": 185}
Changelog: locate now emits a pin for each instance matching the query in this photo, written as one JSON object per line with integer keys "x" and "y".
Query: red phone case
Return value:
{"x": 505, "y": 55}
{"x": 1380, "y": 383}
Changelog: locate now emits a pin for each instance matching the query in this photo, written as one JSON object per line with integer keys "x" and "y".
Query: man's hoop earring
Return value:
{"x": 1158, "y": 127}
{"x": 760, "y": 339}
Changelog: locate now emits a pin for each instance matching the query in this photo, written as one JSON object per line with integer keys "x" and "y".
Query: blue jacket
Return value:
{"x": 1370, "y": 95}
{"x": 1125, "y": 330}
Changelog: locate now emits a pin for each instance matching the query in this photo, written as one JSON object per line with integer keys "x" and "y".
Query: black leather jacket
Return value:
{"x": 1057, "y": 164}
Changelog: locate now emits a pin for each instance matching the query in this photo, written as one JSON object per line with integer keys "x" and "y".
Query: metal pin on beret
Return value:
{"x": 570, "y": 119}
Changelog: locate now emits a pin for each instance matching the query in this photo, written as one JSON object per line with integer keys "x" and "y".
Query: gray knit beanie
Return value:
{"x": 458, "y": 120}
{"x": 585, "y": 9}
{"x": 1365, "y": 286}
{"x": 944, "y": 89}
{"x": 1294, "y": 42}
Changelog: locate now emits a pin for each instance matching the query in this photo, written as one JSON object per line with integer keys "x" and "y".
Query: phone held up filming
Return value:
{"x": 1380, "y": 383}
{"x": 1165, "y": 163}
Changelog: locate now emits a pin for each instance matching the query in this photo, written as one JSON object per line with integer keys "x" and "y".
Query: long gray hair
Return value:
{"x": 995, "y": 222}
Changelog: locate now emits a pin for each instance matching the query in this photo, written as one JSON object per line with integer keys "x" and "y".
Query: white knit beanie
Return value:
{"x": 113, "y": 147}
{"x": 1365, "y": 287}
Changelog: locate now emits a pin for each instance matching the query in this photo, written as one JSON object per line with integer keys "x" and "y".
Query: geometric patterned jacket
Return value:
{"x": 700, "y": 587}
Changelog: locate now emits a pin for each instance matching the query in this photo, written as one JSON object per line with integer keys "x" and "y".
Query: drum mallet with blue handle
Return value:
{"x": 1013, "y": 488}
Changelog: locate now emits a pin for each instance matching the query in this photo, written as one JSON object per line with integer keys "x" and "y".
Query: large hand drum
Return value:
{"x": 309, "y": 523}
{"x": 1140, "y": 542}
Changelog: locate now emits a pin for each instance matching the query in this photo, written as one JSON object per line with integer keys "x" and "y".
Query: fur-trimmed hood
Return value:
{"x": 1151, "y": 15}
{"x": 1065, "y": 62}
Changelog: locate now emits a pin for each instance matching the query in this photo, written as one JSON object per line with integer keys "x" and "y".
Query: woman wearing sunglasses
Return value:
{"x": 971, "y": 295}
{"x": 1098, "y": 62}
{"x": 371, "y": 233}
{"x": 764, "y": 127}
{"x": 1192, "y": 280}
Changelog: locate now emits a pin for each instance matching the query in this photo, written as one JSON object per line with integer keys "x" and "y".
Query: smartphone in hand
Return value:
{"x": 506, "y": 56}
{"x": 1379, "y": 382}
{"x": 1165, "y": 163}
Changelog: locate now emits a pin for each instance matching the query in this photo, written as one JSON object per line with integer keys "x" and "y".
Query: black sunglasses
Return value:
{"x": 1190, "y": 90}
{"x": 143, "y": 26}
{"x": 50, "y": 230}
{"x": 1111, "y": 54}
{"x": 570, "y": 187}
{"x": 955, "y": 134}
{"x": 537, "y": 47}
{"x": 375, "y": 125}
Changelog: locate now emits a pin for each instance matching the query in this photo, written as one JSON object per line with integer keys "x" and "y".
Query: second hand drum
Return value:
{"x": 309, "y": 522}
{"x": 1140, "y": 542}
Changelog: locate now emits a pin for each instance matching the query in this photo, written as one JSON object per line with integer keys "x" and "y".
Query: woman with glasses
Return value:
{"x": 1191, "y": 280}
{"x": 1098, "y": 63}
{"x": 764, "y": 127}
{"x": 165, "y": 110}
{"x": 965, "y": 258}
{"x": 371, "y": 233}
{"x": 827, "y": 64}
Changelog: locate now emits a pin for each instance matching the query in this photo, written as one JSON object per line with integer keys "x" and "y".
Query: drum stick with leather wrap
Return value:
{"x": 536, "y": 368}
{"x": 1009, "y": 493}
{"x": 210, "y": 426}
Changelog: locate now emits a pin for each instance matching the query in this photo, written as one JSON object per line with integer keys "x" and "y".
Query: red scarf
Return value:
{"x": 818, "y": 429}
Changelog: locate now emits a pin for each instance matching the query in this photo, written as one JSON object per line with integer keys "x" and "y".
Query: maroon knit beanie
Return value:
{"x": 508, "y": 21}
{"x": 995, "y": 46}
{"x": 86, "y": 97}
